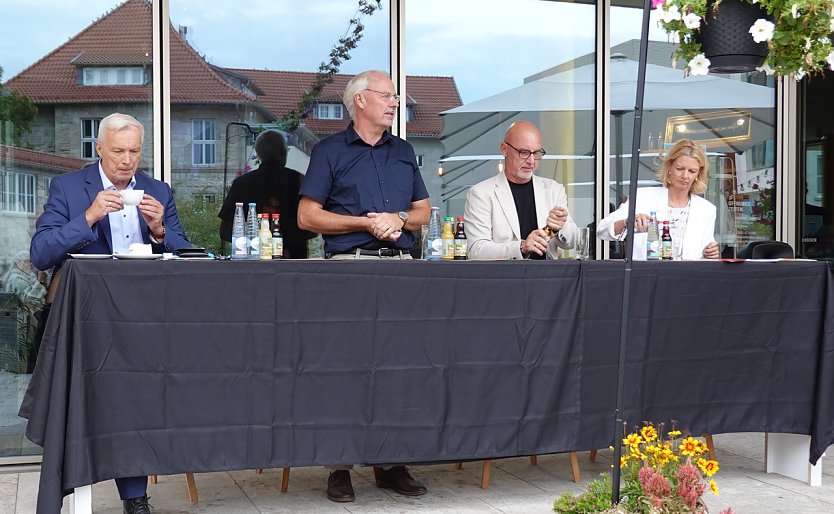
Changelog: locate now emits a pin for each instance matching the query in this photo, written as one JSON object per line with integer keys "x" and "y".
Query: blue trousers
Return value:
{"x": 132, "y": 487}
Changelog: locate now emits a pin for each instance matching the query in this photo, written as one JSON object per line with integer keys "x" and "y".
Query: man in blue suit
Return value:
{"x": 86, "y": 214}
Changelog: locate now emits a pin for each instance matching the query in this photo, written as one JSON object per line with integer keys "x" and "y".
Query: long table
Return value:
{"x": 164, "y": 367}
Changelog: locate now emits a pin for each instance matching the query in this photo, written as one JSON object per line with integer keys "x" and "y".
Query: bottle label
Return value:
{"x": 277, "y": 247}
{"x": 448, "y": 248}
{"x": 436, "y": 248}
{"x": 653, "y": 250}
{"x": 266, "y": 248}
{"x": 239, "y": 246}
{"x": 460, "y": 249}
{"x": 255, "y": 246}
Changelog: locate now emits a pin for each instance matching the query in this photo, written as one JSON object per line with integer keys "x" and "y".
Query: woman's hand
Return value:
{"x": 711, "y": 251}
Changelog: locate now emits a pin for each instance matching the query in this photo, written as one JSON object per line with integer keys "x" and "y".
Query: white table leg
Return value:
{"x": 81, "y": 501}
{"x": 788, "y": 454}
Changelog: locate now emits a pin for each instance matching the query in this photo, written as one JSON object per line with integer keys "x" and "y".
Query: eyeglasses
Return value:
{"x": 525, "y": 154}
{"x": 385, "y": 95}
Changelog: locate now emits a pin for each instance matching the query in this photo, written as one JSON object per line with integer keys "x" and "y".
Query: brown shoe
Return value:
{"x": 339, "y": 488}
{"x": 400, "y": 480}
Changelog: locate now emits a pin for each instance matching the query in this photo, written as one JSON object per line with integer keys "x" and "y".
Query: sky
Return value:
{"x": 488, "y": 46}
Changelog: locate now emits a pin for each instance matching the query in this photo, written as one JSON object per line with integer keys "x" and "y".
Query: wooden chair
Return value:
{"x": 189, "y": 480}
{"x": 486, "y": 471}
{"x": 285, "y": 478}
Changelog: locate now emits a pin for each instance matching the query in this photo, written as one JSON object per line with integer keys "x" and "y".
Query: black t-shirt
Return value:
{"x": 525, "y": 207}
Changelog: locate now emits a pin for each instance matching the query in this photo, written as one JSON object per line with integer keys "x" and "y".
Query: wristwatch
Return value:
{"x": 403, "y": 216}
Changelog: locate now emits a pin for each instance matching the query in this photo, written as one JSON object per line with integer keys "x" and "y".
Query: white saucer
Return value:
{"x": 90, "y": 255}
{"x": 141, "y": 257}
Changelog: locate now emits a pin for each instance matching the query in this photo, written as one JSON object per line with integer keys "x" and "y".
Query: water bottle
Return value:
{"x": 652, "y": 240}
{"x": 434, "y": 242}
{"x": 254, "y": 250}
{"x": 239, "y": 233}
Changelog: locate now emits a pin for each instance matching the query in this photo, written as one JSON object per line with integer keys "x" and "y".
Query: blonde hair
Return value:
{"x": 686, "y": 147}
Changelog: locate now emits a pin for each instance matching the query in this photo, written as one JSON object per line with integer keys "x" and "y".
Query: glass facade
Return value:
{"x": 469, "y": 68}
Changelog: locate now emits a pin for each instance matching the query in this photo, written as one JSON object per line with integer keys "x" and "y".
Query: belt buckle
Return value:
{"x": 384, "y": 252}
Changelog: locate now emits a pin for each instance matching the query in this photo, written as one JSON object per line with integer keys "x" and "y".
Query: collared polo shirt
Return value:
{"x": 348, "y": 176}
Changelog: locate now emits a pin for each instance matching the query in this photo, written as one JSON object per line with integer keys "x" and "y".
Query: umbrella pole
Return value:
{"x": 632, "y": 197}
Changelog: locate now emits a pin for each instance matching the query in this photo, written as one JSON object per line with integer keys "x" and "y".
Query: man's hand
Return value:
{"x": 536, "y": 242}
{"x": 105, "y": 202}
{"x": 556, "y": 218}
{"x": 711, "y": 251}
{"x": 154, "y": 214}
{"x": 385, "y": 226}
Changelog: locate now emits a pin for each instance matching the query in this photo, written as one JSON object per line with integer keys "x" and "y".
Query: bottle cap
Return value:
{"x": 460, "y": 218}
{"x": 239, "y": 203}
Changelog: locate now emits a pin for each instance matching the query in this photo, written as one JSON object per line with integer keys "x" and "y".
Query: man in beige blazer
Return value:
{"x": 515, "y": 214}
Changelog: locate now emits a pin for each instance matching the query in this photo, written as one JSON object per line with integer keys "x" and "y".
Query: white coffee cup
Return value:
{"x": 132, "y": 196}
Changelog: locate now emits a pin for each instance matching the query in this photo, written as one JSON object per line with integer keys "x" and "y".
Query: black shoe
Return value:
{"x": 137, "y": 505}
{"x": 339, "y": 488}
{"x": 400, "y": 480}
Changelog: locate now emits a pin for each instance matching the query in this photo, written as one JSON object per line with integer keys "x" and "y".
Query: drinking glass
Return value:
{"x": 582, "y": 244}
{"x": 424, "y": 242}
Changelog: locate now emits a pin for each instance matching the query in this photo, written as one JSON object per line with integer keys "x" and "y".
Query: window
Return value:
{"x": 203, "y": 147}
{"x": 18, "y": 192}
{"x": 121, "y": 76}
{"x": 89, "y": 134}
{"x": 409, "y": 113}
{"x": 420, "y": 160}
{"x": 329, "y": 111}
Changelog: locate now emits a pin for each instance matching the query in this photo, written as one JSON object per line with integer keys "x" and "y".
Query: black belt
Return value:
{"x": 379, "y": 252}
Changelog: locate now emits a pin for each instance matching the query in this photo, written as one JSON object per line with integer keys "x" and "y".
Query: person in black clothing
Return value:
{"x": 274, "y": 189}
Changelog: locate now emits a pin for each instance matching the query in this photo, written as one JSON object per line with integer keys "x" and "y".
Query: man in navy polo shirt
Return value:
{"x": 364, "y": 193}
{"x": 363, "y": 190}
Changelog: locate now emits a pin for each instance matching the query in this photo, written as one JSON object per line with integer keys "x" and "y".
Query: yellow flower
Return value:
{"x": 709, "y": 467}
{"x": 673, "y": 433}
{"x": 649, "y": 433}
{"x": 632, "y": 440}
{"x": 713, "y": 487}
{"x": 689, "y": 446}
{"x": 635, "y": 453}
{"x": 623, "y": 461}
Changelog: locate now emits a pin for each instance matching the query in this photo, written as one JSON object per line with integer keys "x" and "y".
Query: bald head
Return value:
{"x": 522, "y": 137}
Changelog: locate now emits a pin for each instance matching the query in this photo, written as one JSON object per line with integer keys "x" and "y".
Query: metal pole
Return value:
{"x": 632, "y": 197}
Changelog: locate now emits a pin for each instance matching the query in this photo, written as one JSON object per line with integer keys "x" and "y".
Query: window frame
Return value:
{"x": 201, "y": 147}
{"x": 16, "y": 189}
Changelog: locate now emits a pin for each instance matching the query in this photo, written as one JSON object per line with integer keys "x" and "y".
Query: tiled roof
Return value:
{"x": 122, "y": 37}
{"x": 41, "y": 159}
{"x": 427, "y": 96}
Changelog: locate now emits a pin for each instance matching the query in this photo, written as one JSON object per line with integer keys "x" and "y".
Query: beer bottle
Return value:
{"x": 460, "y": 241}
{"x": 666, "y": 243}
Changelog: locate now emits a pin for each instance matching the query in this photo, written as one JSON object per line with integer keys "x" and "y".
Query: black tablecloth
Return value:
{"x": 162, "y": 367}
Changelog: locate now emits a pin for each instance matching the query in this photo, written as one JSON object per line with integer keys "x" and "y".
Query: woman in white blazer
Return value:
{"x": 684, "y": 176}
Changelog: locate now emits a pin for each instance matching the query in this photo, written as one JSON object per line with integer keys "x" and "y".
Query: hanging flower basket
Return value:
{"x": 793, "y": 35}
{"x": 725, "y": 37}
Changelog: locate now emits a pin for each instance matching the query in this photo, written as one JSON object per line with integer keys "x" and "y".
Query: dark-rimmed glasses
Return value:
{"x": 385, "y": 95}
{"x": 525, "y": 154}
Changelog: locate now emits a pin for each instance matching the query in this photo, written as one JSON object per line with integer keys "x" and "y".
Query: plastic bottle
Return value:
{"x": 239, "y": 233}
{"x": 277, "y": 238}
{"x": 666, "y": 243}
{"x": 460, "y": 241}
{"x": 254, "y": 249}
{"x": 265, "y": 237}
{"x": 652, "y": 240}
{"x": 448, "y": 238}
{"x": 434, "y": 249}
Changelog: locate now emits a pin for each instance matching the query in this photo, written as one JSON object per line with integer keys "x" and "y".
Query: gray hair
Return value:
{"x": 358, "y": 83}
{"x": 118, "y": 121}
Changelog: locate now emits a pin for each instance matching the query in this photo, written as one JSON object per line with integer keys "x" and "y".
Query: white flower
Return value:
{"x": 692, "y": 21}
{"x": 830, "y": 60}
{"x": 799, "y": 74}
{"x": 671, "y": 15}
{"x": 765, "y": 68}
{"x": 699, "y": 65}
{"x": 762, "y": 30}
{"x": 795, "y": 11}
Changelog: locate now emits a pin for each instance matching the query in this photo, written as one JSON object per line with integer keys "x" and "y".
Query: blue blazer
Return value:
{"x": 62, "y": 228}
